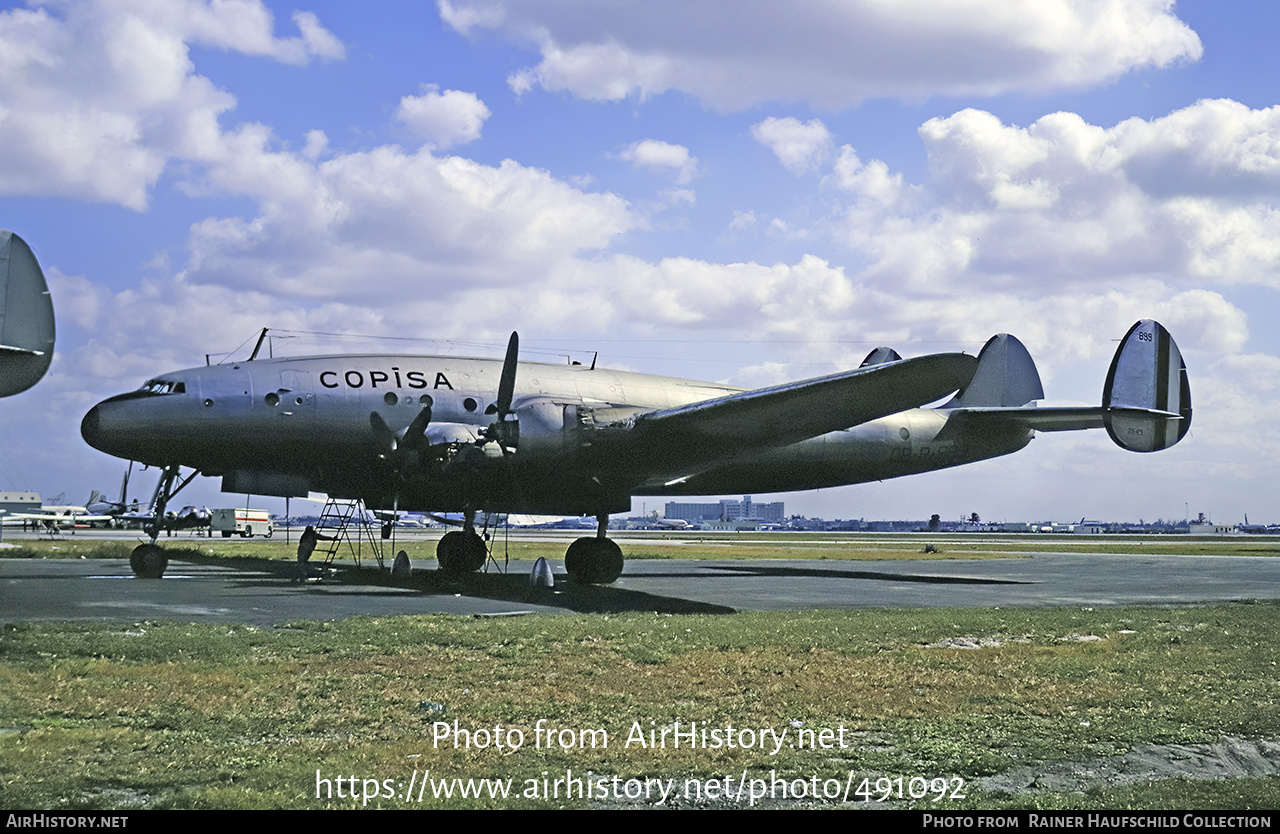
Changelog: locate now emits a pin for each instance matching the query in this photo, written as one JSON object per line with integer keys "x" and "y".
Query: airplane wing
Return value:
{"x": 62, "y": 519}
{"x": 783, "y": 414}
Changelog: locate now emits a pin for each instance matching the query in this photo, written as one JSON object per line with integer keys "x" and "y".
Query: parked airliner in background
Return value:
{"x": 669, "y": 523}
{"x": 445, "y": 434}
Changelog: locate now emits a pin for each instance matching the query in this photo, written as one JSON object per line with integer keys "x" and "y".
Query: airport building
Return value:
{"x": 728, "y": 509}
{"x": 20, "y": 502}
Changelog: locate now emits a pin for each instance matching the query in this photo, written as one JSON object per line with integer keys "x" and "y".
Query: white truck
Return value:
{"x": 246, "y": 522}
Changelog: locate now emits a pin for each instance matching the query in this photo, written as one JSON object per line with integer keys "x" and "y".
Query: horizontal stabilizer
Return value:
{"x": 785, "y": 414}
{"x": 22, "y": 351}
{"x": 1027, "y": 417}
{"x": 1147, "y": 396}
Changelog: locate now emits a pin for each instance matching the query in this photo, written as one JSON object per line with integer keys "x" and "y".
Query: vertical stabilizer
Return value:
{"x": 1147, "y": 396}
{"x": 1006, "y": 377}
{"x": 26, "y": 317}
{"x": 880, "y": 356}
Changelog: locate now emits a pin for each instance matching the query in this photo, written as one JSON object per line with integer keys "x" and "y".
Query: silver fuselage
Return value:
{"x": 299, "y": 425}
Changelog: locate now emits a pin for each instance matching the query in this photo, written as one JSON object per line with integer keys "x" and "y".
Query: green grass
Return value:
{"x": 178, "y": 715}
{"x": 695, "y": 545}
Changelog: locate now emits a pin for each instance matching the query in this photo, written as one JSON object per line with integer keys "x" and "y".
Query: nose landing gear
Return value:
{"x": 149, "y": 560}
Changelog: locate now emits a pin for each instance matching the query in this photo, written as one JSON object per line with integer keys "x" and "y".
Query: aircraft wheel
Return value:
{"x": 148, "y": 561}
{"x": 593, "y": 561}
{"x": 460, "y": 552}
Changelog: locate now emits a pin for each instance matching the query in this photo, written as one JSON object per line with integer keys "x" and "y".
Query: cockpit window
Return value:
{"x": 164, "y": 386}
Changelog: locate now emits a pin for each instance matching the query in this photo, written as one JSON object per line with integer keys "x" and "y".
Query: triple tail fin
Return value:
{"x": 1146, "y": 401}
{"x": 1006, "y": 377}
{"x": 1147, "y": 396}
{"x": 880, "y": 356}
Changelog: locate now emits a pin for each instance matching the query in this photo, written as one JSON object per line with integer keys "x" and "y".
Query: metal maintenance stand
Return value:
{"x": 352, "y": 523}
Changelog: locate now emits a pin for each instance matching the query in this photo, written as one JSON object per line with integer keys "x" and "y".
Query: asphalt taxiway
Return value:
{"x": 49, "y": 589}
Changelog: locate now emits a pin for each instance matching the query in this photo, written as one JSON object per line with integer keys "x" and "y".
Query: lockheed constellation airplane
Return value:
{"x": 446, "y": 434}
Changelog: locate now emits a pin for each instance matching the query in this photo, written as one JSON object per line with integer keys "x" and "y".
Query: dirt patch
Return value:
{"x": 1231, "y": 758}
{"x": 996, "y": 640}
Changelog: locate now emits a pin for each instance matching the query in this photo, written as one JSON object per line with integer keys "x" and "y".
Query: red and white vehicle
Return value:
{"x": 246, "y": 522}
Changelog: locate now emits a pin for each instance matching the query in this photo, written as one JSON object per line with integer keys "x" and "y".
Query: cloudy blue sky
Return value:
{"x": 742, "y": 191}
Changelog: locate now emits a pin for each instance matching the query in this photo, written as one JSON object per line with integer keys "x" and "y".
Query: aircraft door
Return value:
{"x": 295, "y": 399}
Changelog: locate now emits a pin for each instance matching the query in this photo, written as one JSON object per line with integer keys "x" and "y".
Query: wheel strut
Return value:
{"x": 149, "y": 561}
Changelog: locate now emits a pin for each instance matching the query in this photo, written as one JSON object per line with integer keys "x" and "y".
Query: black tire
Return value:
{"x": 593, "y": 561}
{"x": 226, "y": 534}
{"x": 148, "y": 561}
{"x": 460, "y": 552}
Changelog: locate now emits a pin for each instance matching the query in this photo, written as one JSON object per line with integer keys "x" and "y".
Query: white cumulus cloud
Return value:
{"x": 99, "y": 95}
{"x": 443, "y": 119}
{"x": 1183, "y": 199}
{"x": 734, "y": 55}
{"x": 386, "y": 219}
{"x": 800, "y": 146}
{"x": 659, "y": 155}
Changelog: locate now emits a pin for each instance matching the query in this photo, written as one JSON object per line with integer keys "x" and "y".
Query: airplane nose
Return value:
{"x": 89, "y": 428}
{"x": 138, "y": 425}
{"x": 107, "y": 428}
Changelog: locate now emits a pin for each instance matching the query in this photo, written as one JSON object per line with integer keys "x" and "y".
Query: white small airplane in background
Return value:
{"x": 447, "y": 434}
{"x": 53, "y": 519}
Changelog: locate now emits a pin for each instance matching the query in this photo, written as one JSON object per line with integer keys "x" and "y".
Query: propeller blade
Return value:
{"x": 382, "y": 433}
{"x": 507, "y": 384}
{"x": 415, "y": 436}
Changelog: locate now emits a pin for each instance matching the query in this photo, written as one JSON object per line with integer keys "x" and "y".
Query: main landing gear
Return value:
{"x": 462, "y": 551}
{"x": 149, "y": 560}
{"x": 594, "y": 560}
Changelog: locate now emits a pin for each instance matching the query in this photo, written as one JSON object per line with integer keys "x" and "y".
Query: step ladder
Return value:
{"x": 348, "y": 523}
